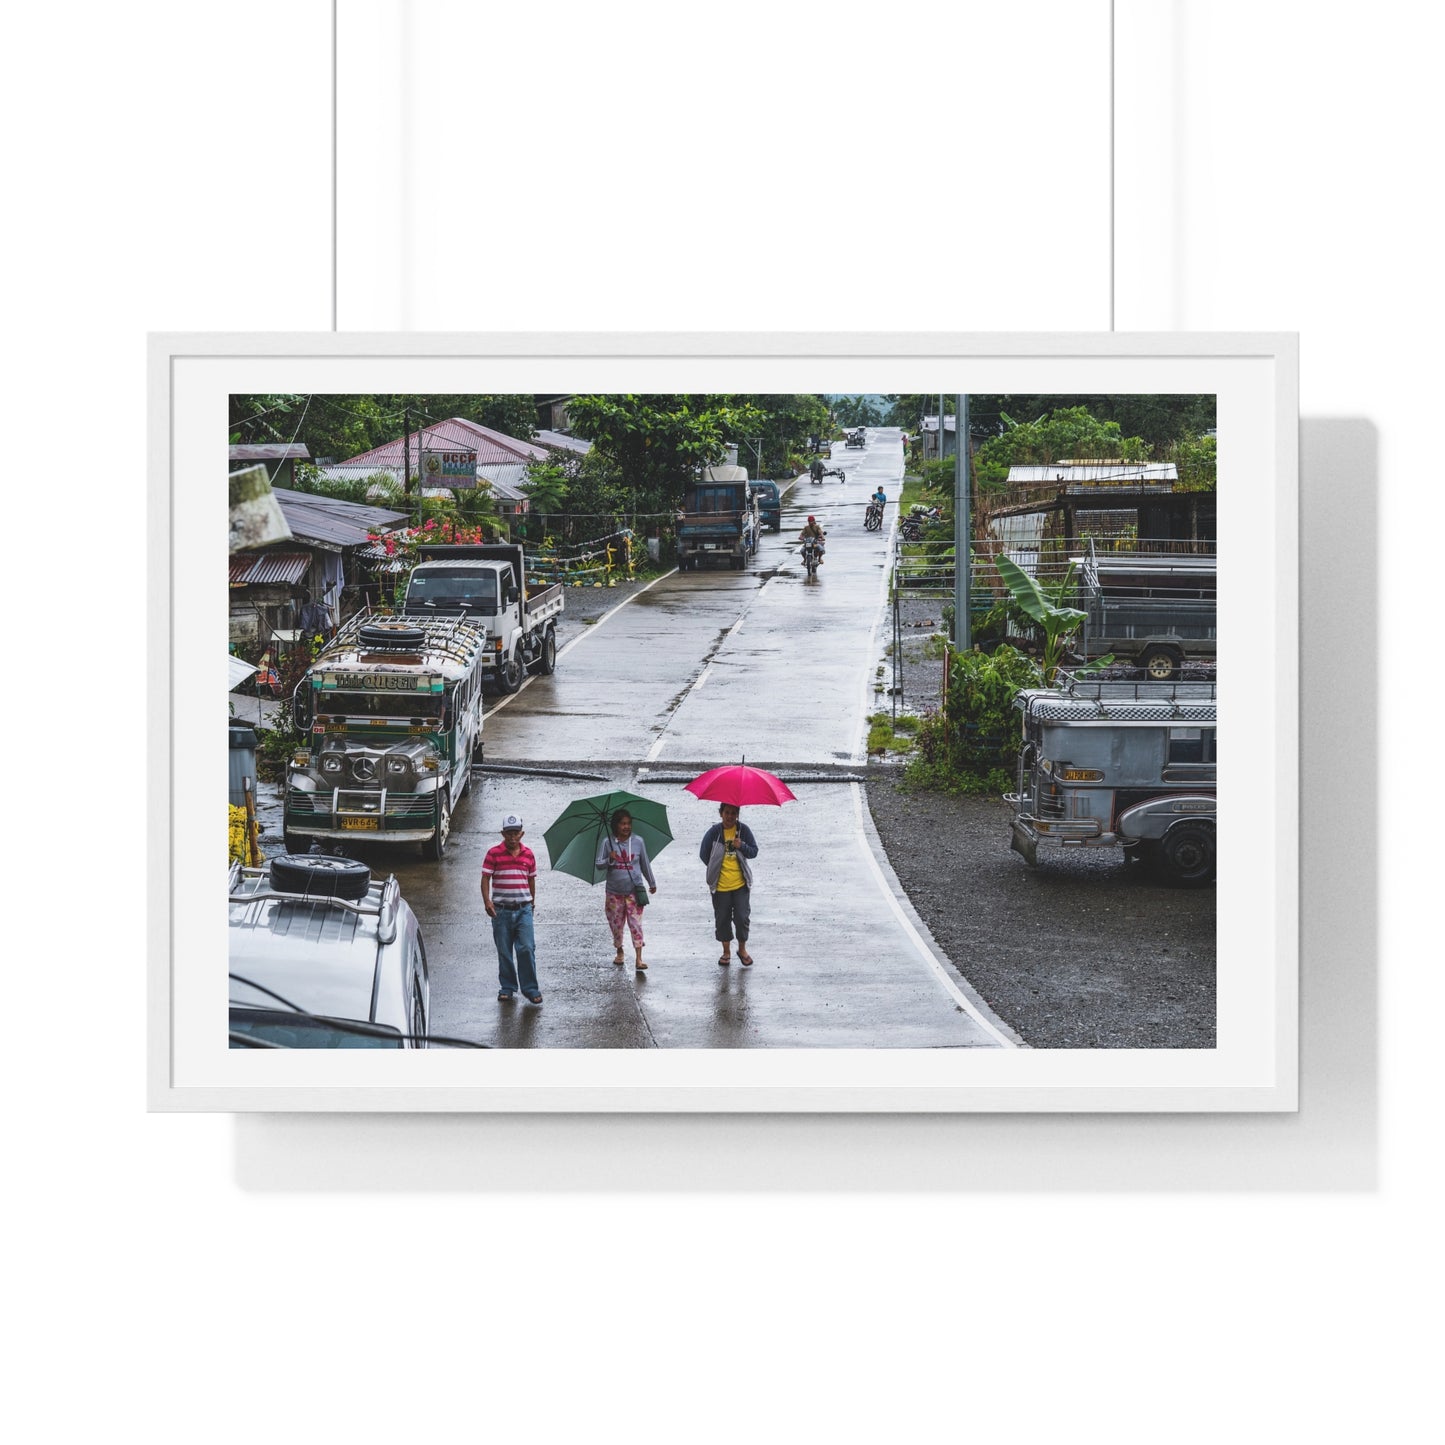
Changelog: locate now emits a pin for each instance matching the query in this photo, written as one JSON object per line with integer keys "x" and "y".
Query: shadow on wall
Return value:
{"x": 1330, "y": 1145}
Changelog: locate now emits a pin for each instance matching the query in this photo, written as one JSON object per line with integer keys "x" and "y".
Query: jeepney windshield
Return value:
{"x": 452, "y": 590}
{"x": 380, "y": 704}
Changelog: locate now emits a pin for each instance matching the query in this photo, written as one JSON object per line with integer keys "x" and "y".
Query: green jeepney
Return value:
{"x": 393, "y": 709}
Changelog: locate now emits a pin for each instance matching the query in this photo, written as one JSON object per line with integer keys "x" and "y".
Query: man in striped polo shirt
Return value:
{"x": 509, "y": 894}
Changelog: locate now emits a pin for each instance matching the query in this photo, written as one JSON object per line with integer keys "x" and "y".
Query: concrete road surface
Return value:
{"x": 700, "y": 669}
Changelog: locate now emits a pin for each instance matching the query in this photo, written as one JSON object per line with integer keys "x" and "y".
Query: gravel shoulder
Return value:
{"x": 1082, "y": 952}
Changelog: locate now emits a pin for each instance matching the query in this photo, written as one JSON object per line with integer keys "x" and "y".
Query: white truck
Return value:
{"x": 486, "y": 584}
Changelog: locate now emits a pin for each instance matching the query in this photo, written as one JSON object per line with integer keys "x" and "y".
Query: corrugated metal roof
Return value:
{"x": 1120, "y": 472}
{"x": 330, "y": 522}
{"x": 270, "y": 452}
{"x": 266, "y": 569}
{"x": 560, "y": 441}
{"x": 456, "y": 434}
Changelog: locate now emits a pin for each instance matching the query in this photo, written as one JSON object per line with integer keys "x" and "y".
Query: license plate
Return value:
{"x": 360, "y": 825}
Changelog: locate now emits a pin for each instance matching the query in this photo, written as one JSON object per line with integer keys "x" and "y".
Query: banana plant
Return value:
{"x": 1045, "y": 606}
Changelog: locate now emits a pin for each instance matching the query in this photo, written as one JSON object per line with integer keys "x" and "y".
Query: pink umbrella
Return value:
{"x": 741, "y": 785}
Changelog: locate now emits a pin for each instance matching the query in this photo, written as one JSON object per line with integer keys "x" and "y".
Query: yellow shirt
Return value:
{"x": 731, "y": 877}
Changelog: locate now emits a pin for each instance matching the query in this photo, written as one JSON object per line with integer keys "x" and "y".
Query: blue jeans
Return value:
{"x": 512, "y": 930}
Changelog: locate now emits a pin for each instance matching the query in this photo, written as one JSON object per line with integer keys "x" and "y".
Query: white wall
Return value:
{"x": 1139, "y": 1279}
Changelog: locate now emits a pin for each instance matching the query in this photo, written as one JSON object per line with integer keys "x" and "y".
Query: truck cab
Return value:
{"x": 486, "y": 584}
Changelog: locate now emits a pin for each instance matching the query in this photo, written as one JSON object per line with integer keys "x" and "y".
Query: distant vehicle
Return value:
{"x": 486, "y": 583}
{"x": 811, "y": 553}
{"x": 873, "y": 517}
{"x": 392, "y": 707}
{"x": 1120, "y": 764}
{"x": 322, "y": 957}
{"x": 718, "y": 521}
{"x": 857, "y": 438}
{"x": 770, "y": 505}
{"x": 1155, "y": 611}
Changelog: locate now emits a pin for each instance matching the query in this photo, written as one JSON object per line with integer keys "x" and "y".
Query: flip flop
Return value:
{"x": 640, "y": 967}
{"x": 505, "y": 997}
{"x": 533, "y": 997}
{"x": 746, "y": 959}
{"x": 724, "y": 961}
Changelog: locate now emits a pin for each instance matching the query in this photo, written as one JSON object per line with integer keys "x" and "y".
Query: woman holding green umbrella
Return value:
{"x": 624, "y": 856}
{"x": 613, "y": 836}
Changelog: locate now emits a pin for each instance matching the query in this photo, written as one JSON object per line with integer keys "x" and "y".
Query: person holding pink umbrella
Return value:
{"x": 729, "y": 846}
{"x": 727, "y": 849}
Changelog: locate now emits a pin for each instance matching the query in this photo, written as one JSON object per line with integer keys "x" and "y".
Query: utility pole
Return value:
{"x": 406, "y": 454}
{"x": 963, "y": 525}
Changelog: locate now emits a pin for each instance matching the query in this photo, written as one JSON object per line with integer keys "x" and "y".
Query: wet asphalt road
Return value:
{"x": 703, "y": 668}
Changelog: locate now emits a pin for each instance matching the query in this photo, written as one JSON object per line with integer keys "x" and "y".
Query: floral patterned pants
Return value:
{"x": 622, "y": 907}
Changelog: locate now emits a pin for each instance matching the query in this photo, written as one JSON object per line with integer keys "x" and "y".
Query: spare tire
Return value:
{"x": 403, "y": 636}
{"x": 319, "y": 875}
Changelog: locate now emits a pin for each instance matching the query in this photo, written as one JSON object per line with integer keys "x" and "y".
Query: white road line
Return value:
{"x": 586, "y": 632}
{"x": 924, "y": 952}
{"x": 860, "y": 755}
{"x": 702, "y": 677}
{"x": 608, "y": 616}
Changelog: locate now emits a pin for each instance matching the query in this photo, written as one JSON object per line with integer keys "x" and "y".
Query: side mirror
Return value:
{"x": 301, "y": 705}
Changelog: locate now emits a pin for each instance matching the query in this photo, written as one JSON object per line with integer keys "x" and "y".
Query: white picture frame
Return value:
{"x": 1254, "y": 1066}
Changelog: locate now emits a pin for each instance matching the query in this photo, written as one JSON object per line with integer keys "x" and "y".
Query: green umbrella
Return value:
{"x": 573, "y": 840}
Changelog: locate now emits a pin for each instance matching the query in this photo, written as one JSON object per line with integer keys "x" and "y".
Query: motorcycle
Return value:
{"x": 917, "y": 520}
{"x": 812, "y": 552}
{"x": 873, "y": 517}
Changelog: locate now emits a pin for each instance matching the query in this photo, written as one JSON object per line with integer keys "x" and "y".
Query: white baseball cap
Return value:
{"x": 511, "y": 821}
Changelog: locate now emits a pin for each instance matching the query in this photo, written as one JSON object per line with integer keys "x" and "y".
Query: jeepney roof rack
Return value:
{"x": 1103, "y": 689}
{"x": 382, "y": 901}
{"x": 458, "y": 638}
{"x": 1077, "y": 699}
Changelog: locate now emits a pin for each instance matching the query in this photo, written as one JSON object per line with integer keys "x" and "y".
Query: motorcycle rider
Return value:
{"x": 878, "y": 501}
{"x": 813, "y": 532}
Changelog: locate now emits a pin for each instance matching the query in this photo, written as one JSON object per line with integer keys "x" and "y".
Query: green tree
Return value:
{"x": 1071, "y": 434}
{"x": 1196, "y": 460}
{"x": 1156, "y": 418}
{"x": 1045, "y": 606}
{"x": 546, "y": 487}
{"x": 908, "y": 411}
{"x": 789, "y": 419}
{"x": 853, "y": 411}
{"x": 658, "y": 442}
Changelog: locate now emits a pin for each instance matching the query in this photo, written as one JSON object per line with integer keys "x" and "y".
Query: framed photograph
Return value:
{"x": 667, "y": 739}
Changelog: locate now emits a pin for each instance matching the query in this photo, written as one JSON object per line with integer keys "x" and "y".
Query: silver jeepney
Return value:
{"x": 1120, "y": 764}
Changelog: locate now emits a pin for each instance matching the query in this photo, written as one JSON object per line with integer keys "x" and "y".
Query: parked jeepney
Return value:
{"x": 1109, "y": 764}
{"x": 1156, "y": 611}
{"x": 393, "y": 709}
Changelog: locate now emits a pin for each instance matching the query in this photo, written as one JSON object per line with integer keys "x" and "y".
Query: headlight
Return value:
{"x": 331, "y": 764}
{"x": 398, "y": 765}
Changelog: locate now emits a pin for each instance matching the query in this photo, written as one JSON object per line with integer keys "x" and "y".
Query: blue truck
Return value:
{"x": 718, "y": 522}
